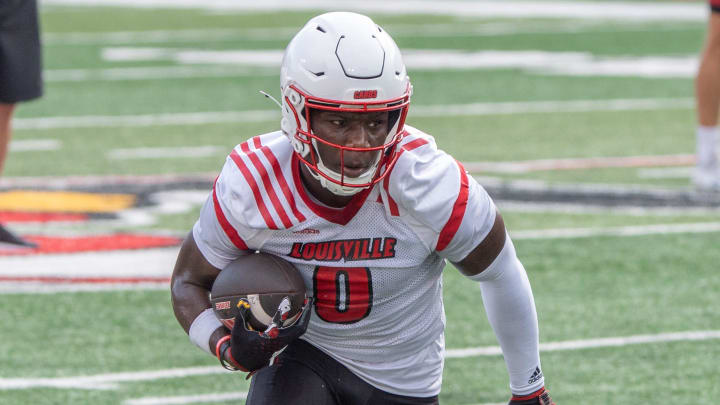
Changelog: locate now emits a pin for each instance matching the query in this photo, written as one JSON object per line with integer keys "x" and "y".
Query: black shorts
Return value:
{"x": 20, "y": 59}
{"x": 304, "y": 375}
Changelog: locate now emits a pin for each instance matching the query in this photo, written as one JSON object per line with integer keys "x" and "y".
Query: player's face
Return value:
{"x": 350, "y": 129}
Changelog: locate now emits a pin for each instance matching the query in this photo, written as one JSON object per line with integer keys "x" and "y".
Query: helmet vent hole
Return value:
{"x": 379, "y": 29}
{"x": 397, "y": 73}
{"x": 318, "y": 74}
{"x": 321, "y": 29}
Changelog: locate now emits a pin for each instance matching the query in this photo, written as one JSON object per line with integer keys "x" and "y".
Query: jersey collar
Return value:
{"x": 340, "y": 216}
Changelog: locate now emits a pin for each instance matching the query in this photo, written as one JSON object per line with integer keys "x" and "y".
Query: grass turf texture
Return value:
{"x": 584, "y": 288}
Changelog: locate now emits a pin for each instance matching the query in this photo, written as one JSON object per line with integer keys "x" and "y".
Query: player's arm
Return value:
{"x": 190, "y": 286}
{"x": 240, "y": 349}
{"x": 510, "y": 309}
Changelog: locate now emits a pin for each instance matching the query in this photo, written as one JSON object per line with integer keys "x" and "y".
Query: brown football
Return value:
{"x": 266, "y": 281}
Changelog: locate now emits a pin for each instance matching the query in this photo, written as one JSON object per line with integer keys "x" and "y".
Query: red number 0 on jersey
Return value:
{"x": 342, "y": 294}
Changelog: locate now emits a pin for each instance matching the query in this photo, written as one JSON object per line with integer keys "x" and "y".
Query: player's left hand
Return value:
{"x": 251, "y": 350}
{"x": 539, "y": 397}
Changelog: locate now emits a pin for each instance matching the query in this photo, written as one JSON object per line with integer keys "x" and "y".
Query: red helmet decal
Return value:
{"x": 363, "y": 94}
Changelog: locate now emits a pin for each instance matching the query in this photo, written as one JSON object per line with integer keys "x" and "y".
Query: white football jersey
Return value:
{"x": 374, "y": 266}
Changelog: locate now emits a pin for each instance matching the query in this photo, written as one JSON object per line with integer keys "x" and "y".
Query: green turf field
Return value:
{"x": 662, "y": 281}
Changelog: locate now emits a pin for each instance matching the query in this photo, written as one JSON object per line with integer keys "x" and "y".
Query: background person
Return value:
{"x": 20, "y": 74}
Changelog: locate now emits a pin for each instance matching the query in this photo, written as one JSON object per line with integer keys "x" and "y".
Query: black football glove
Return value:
{"x": 250, "y": 350}
{"x": 539, "y": 397}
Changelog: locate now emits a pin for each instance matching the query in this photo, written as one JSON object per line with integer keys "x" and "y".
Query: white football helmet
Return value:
{"x": 343, "y": 62}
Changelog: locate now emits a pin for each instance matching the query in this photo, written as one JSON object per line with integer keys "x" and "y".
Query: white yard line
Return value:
{"x": 396, "y": 30}
{"x": 593, "y": 209}
{"x": 183, "y": 152}
{"x": 168, "y": 36}
{"x": 530, "y": 61}
{"x": 152, "y": 73}
{"x": 188, "y": 399}
{"x": 503, "y": 108}
{"x": 659, "y": 229}
{"x": 65, "y": 182}
{"x": 34, "y": 145}
{"x": 144, "y": 120}
{"x": 47, "y": 288}
{"x": 644, "y": 11}
{"x": 110, "y": 381}
{"x": 154, "y": 263}
{"x": 666, "y": 173}
{"x": 527, "y": 166}
{"x": 107, "y": 381}
{"x": 594, "y": 343}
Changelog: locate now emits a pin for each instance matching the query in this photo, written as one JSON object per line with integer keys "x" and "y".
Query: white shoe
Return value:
{"x": 706, "y": 180}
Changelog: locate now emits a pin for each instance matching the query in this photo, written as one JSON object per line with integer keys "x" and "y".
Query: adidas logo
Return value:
{"x": 536, "y": 375}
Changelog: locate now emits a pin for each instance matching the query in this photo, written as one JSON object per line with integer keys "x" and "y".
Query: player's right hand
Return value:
{"x": 251, "y": 350}
{"x": 539, "y": 397}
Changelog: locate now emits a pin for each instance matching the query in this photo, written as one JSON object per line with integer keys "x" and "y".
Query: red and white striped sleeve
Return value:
{"x": 219, "y": 236}
{"x": 252, "y": 195}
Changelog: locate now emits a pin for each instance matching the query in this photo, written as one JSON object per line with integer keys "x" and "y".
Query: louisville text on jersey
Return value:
{"x": 347, "y": 250}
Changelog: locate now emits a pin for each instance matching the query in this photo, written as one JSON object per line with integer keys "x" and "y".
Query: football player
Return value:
{"x": 20, "y": 74}
{"x": 707, "y": 96}
{"x": 368, "y": 209}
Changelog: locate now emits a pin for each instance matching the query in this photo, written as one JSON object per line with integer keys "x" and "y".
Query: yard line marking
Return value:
{"x": 525, "y": 107}
{"x": 580, "y": 163}
{"x": 583, "y": 208}
{"x": 530, "y": 61}
{"x": 188, "y": 399}
{"x": 167, "y": 152}
{"x": 568, "y": 233}
{"x": 171, "y": 36}
{"x": 7, "y": 288}
{"x": 593, "y": 343}
{"x": 34, "y": 145}
{"x": 144, "y": 120}
{"x": 107, "y": 381}
{"x": 144, "y": 263}
{"x": 152, "y": 73}
{"x": 666, "y": 173}
{"x": 472, "y": 109}
{"x": 506, "y": 9}
{"x": 65, "y": 182}
{"x": 397, "y": 31}
{"x": 110, "y": 380}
